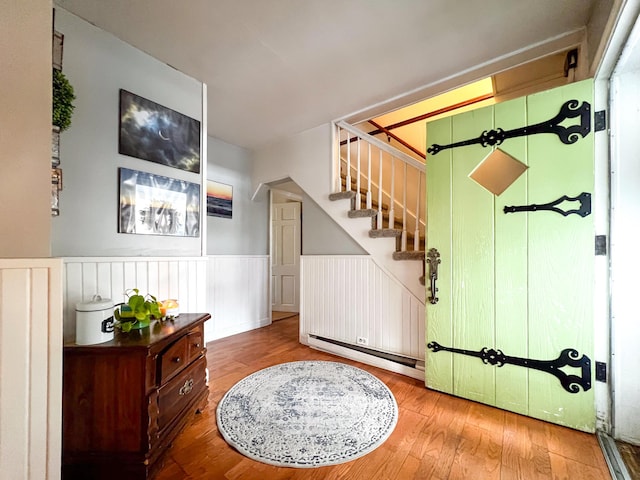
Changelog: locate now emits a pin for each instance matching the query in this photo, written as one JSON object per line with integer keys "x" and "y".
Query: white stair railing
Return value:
{"x": 396, "y": 180}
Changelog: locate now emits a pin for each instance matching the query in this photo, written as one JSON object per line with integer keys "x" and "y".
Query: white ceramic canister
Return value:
{"x": 94, "y": 321}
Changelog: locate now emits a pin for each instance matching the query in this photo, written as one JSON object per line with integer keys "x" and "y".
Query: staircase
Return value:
{"x": 359, "y": 159}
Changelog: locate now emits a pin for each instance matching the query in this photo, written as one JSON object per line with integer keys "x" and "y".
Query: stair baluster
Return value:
{"x": 369, "y": 177}
{"x": 404, "y": 210}
{"x": 338, "y": 180}
{"x": 379, "y": 217}
{"x": 347, "y": 183}
{"x": 416, "y": 234}
{"x": 392, "y": 221}
{"x": 361, "y": 195}
{"x": 358, "y": 170}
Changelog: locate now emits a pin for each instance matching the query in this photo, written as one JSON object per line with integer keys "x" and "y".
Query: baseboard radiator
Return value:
{"x": 388, "y": 361}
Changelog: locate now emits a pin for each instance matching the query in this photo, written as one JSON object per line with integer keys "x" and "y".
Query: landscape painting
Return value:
{"x": 219, "y": 199}
{"x": 156, "y": 205}
{"x": 158, "y": 134}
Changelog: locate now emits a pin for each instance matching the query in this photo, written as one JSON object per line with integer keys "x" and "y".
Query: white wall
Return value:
{"x": 25, "y": 135}
{"x": 98, "y": 65}
{"x": 625, "y": 232}
{"x": 237, "y": 294}
{"x": 183, "y": 278}
{"x": 247, "y": 231}
{"x": 345, "y": 297}
{"x": 30, "y": 289}
{"x": 30, "y": 368}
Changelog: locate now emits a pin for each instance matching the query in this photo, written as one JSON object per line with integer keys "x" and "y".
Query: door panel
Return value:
{"x": 439, "y": 321}
{"x": 560, "y": 259}
{"x": 511, "y": 268}
{"x": 285, "y": 257}
{"x": 518, "y": 282}
{"x": 472, "y": 249}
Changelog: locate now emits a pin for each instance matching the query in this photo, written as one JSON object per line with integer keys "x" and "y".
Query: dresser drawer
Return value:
{"x": 180, "y": 392}
{"x": 195, "y": 343}
{"x": 173, "y": 359}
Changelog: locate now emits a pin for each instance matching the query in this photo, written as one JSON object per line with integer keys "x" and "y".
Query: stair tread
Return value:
{"x": 384, "y": 232}
{"x": 364, "y": 212}
{"x": 409, "y": 255}
{"x": 342, "y": 195}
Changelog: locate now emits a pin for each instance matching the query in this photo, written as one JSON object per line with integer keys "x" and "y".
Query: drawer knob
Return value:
{"x": 187, "y": 387}
{"x": 176, "y": 359}
{"x": 197, "y": 345}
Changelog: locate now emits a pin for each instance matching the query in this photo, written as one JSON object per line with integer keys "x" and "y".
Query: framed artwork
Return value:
{"x": 156, "y": 205}
{"x": 152, "y": 132}
{"x": 219, "y": 199}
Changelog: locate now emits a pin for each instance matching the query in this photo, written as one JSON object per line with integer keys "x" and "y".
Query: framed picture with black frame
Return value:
{"x": 158, "y": 134}
{"x": 156, "y": 205}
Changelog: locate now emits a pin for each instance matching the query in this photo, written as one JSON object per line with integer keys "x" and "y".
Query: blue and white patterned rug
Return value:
{"x": 307, "y": 414}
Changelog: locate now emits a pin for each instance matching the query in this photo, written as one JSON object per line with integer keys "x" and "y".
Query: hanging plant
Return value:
{"x": 63, "y": 98}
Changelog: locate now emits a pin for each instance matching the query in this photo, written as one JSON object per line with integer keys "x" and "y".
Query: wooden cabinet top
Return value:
{"x": 156, "y": 334}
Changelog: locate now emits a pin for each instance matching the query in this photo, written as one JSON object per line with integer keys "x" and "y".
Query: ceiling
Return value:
{"x": 277, "y": 67}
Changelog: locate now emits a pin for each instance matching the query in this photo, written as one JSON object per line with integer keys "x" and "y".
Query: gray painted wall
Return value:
{"x": 247, "y": 231}
{"x": 321, "y": 235}
{"x": 98, "y": 65}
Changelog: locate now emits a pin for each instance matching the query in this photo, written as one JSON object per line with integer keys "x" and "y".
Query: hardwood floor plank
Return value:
{"x": 406, "y": 432}
{"x": 438, "y": 437}
{"x": 479, "y": 454}
{"x": 574, "y": 445}
{"x": 568, "y": 469}
{"x": 522, "y": 457}
{"x": 408, "y": 469}
{"x": 631, "y": 456}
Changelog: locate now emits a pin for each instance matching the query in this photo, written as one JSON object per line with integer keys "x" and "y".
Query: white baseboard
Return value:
{"x": 366, "y": 358}
{"x": 216, "y": 334}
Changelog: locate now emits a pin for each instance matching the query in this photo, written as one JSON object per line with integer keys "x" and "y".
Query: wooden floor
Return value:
{"x": 631, "y": 456}
{"x": 275, "y": 316}
{"x": 437, "y": 436}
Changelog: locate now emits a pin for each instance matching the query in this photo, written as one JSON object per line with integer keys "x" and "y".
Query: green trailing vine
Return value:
{"x": 63, "y": 97}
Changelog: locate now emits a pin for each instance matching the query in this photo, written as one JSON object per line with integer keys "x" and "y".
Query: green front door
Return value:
{"x": 518, "y": 283}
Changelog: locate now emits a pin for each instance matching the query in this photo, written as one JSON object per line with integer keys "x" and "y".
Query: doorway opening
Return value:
{"x": 285, "y": 235}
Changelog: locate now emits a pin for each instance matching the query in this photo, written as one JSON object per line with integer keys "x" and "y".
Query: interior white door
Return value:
{"x": 285, "y": 256}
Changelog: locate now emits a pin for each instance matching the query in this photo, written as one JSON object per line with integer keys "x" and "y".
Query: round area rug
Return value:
{"x": 307, "y": 414}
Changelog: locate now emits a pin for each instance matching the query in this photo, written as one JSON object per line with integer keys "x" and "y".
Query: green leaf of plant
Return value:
{"x": 63, "y": 97}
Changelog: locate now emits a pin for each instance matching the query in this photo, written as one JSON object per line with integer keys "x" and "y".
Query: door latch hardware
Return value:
{"x": 570, "y": 61}
{"x": 433, "y": 259}
{"x": 569, "y": 357}
{"x": 585, "y": 206}
{"x": 567, "y": 135}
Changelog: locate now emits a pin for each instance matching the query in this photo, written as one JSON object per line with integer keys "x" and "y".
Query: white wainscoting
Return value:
{"x": 346, "y": 297}
{"x": 238, "y": 293}
{"x": 182, "y": 278}
{"x": 30, "y": 368}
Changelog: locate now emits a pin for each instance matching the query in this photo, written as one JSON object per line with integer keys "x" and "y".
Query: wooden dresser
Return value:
{"x": 125, "y": 400}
